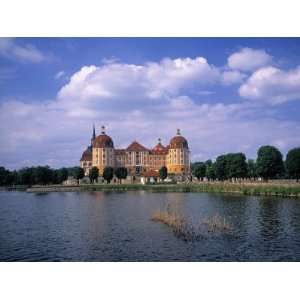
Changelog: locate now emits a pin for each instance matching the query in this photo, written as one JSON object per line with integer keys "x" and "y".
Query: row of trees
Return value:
{"x": 120, "y": 173}
{"x": 108, "y": 174}
{"x": 33, "y": 175}
{"x": 268, "y": 165}
{"x": 45, "y": 175}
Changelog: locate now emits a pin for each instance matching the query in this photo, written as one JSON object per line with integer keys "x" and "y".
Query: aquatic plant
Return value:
{"x": 188, "y": 232}
{"x": 217, "y": 224}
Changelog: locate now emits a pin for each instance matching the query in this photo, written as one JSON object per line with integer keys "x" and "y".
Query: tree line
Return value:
{"x": 33, "y": 175}
{"x": 268, "y": 165}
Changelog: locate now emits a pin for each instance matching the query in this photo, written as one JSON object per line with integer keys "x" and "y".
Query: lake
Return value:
{"x": 117, "y": 226}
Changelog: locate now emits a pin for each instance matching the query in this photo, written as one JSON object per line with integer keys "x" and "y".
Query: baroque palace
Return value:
{"x": 138, "y": 159}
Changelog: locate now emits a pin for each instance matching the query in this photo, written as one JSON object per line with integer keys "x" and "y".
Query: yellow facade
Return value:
{"x": 137, "y": 158}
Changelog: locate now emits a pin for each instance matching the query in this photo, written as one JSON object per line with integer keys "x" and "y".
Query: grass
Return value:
{"x": 254, "y": 189}
{"x": 188, "y": 232}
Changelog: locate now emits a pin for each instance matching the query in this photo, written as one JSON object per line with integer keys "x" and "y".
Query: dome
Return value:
{"x": 87, "y": 155}
{"x": 159, "y": 148}
{"x": 103, "y": 141}
{"x": 178, "y": 141}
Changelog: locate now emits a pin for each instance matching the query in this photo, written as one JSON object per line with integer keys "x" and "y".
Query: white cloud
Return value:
{"x": 25, "y": 53}
{"x": 59, "y": 75}
{"x": 232, "y": 77}
{"x": 248, "y": 59}
{"x": 272, "y": 85}
{"x": 152, "y": 80}
{"x": 140, "y": 102}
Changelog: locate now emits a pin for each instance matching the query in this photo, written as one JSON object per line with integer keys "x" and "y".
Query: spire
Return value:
{"x": 94, "y": 132}
{"x": 102, "y": 129}
{"x": 159, "y": 140}
{"x": 93, "y": 135}
{"x": 178, "y": 131}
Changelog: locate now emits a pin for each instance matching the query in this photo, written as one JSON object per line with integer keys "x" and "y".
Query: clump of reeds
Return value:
{"x": 188, "y": 232}
{"x": 178, "y": 223}
{"x": 217, "y": 224}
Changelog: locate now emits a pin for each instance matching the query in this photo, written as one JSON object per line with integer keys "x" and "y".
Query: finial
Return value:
{"x": 178, "y": 131}
{"x": 159, "y": 140}
{"x": 102, "y": 129}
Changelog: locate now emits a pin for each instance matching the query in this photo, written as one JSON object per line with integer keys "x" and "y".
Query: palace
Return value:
{"x": 138, "y": 159}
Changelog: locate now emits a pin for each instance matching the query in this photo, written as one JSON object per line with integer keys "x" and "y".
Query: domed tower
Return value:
{"x": 86, "y": 157}
{"x": 178, "y": 159}
{"x": 103, "y": 151}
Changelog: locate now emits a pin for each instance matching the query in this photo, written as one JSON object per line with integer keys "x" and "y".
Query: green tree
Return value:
{"x": 26, "y": 176}
{"x": 93, "y": 174}
{"x": 251, "y": 169}
{"x": 62, "y": 175}
{"x": 163, "y": 173}
{"x": 121, "y": 173}
{"x": 200, "y": 170}
{"x": 108, "y": 174}
{"x": 4, "y": 174}
{"x": 269, "y": 162}
{"x": 293, "y": 163}
{"x": 236, "y": 165}
{"x": 221, "y": 167}
{"x": 42, "y": 175}
{"x": 208, "y": 163}
{"x": 78, "y": 173}
{"x": 211, "y": 172}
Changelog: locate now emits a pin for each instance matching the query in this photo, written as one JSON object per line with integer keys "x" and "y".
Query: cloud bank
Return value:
{"x": 149, "y": 101}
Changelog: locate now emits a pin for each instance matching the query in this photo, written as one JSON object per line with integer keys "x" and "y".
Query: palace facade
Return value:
{"x": 137, "y": 158}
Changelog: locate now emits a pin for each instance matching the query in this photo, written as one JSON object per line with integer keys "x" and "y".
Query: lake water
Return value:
{"x": 111, "y": 226}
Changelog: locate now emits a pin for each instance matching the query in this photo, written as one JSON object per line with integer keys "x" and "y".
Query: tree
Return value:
{"x": 236, "y": 166}
{"x": 26, "y": 176}
{"x": 269, "y": 162}
{"x": 293, "y": 163}
{"x": 208, "y": 163}
{"x": 220, "y": 167}
{"x": 62, "y": 174}
{"x": 78, "y": 173}
{"x": 121, "y": 173}
{"x": 4, "y": 174}
{"x": 108, "y": 174}
{"x": 200, "y": 171}
{"x": 42, "y": 175}
{"x": 94, "y": 174}
{"x": 163, "y": 173}
{"x": 211, "y": 172}
{"x": 251, "y": 169}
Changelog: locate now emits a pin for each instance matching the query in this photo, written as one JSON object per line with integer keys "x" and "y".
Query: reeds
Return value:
{"x": 189, "y": 232}
{"x": 217, "y": 224}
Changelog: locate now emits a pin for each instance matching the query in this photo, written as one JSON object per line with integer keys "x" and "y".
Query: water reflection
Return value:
{"x": 108, "y": 226}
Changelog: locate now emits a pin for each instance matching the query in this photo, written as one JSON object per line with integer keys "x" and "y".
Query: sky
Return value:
{"x": 224, "y": 94}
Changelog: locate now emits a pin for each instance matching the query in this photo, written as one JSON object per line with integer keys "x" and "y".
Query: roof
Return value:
{"x": 135, "y": 146}
{"x": 87, "y": 154}
{"x": 159, "y": 149}
{"x": 103, "y": 141}
{"x": 178, "y": 141}
{"x": 150, "y": 173}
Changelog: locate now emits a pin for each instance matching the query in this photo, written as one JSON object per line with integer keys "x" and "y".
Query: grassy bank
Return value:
{"x": 257, "y": 189}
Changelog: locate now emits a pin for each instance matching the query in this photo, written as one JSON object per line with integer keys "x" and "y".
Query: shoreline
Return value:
{"x": 251, "y": 189}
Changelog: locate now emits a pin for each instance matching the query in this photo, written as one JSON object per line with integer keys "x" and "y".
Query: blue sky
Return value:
{"x": 225, "y": 94}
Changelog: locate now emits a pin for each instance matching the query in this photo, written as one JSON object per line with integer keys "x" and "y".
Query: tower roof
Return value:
{"x": 87, "y": 155}
{"x": 178, "y": 141}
